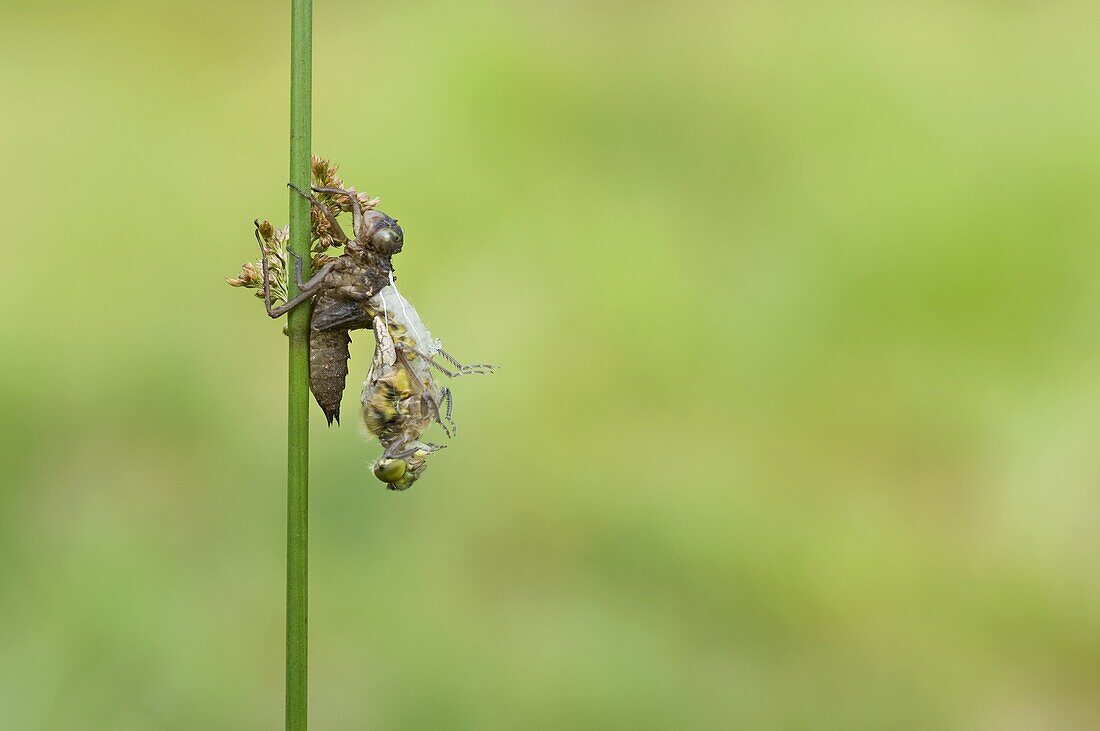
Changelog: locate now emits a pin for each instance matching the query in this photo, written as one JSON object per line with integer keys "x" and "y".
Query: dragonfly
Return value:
{"x": 401, "y": 397}
{"x": 358, "y": 290}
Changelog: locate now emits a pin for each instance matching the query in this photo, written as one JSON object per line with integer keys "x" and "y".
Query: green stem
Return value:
{"x": 297, "y": 468}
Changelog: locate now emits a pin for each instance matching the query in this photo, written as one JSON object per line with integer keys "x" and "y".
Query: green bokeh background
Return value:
{"x": 796, "y": 427}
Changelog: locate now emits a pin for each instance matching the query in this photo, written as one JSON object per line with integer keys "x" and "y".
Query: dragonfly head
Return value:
{"x": 399, "y": 473}
{"x": 390, "y": 470}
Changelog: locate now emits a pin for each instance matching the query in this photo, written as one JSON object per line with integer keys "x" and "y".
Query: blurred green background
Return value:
{"x": 797, "y": 422}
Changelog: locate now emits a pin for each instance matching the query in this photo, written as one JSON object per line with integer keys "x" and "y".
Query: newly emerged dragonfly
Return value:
{"x": 400, "y": 395}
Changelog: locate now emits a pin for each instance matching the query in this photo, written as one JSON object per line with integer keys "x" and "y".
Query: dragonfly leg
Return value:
{"x": 282, "y": 309}
{"x": 463, "y": 370}
{"x": 409, "y": 451}
{"x": 448, "y": 399}
{"x": 356, "y": 211}
{"x": 338, "y": 231}
{"x": 315, "y": 280}
{"x": 274, "y": 312}
{"x": 433, "y": 407}
{"x": 266, "y": 271}
{"x": 309, "y": 289}
{"x": 401, "y": 448}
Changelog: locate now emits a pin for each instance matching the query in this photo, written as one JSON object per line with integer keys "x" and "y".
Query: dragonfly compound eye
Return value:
{"x": 390, "y": 470}
{"x": 388, "y": 239}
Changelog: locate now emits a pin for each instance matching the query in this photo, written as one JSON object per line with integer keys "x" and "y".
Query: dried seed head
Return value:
{"x": 273, "y": 248}
{"x": 325, "y": 176}
{"x": 323, "y": 235}
{"x": 250, "y": 276}
{"x": 324, "y": 173}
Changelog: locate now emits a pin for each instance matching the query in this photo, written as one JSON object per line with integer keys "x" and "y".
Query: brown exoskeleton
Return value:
{"x": 340, "y": 290}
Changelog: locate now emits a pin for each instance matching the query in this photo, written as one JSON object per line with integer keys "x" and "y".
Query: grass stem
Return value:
{"x": 297, "y": 469}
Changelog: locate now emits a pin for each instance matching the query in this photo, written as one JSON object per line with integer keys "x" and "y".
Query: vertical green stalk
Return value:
{"x": 297, "y": 467}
